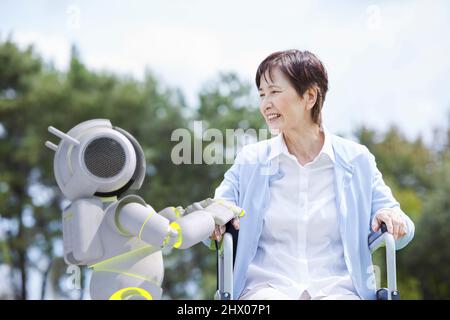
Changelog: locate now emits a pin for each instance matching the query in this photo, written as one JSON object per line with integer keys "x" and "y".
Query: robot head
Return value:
{"x": 96, "y": 159}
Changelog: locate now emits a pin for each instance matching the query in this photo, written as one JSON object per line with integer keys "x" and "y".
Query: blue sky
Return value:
{"x": 387, "y": 60}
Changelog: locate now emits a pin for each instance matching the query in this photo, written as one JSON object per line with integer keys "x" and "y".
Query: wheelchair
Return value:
{"x": 226, "y": 254}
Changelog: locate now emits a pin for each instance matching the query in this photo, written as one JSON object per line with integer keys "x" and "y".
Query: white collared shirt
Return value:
{"x": 300, "y": 247}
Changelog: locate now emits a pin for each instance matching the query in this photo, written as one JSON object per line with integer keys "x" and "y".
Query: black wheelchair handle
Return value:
{"x": 383, "y": 227}
{"x": 375, "y": 236}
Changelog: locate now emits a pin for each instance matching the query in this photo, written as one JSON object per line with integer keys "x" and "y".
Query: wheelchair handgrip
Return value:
{"x": 375, "y": 241}
{"x": 375, "y": 236}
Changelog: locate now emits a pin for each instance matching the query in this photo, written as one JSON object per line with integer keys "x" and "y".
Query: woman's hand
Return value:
{"x": 394, "y": 222}
{"x": 220, "y": 230}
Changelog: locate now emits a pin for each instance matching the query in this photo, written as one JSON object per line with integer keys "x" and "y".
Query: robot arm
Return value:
{"x": 143, "y": 222}
{"x": 136, "y": 219}
{"x": 170, "y": 227}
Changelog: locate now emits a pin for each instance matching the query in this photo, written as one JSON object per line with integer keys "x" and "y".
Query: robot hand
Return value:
{"x": 222, "y": 211}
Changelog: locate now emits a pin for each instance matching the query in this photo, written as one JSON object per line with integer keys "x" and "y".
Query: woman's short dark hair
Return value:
{"x": 303, "y": 69}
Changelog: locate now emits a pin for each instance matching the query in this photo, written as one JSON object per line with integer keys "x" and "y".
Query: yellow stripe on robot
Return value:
{"x": 232, "y": 208}
{"x": 108, "y": 199}
{"x": 125, "y": 293}
{"x": 179, "y": 241}
{"x": 143, "y": 251}
{"x": 177, "y": 212}
{"x": 68, "y": 216}
{"x": 146, "y": 220}
{"x": 133, "y": 275}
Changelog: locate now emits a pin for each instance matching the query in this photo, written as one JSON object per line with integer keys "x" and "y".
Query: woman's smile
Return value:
{"x": 272, "y": 117}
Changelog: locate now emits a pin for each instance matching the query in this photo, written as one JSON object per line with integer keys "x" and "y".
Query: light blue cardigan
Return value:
{"x": 360, "y": 193}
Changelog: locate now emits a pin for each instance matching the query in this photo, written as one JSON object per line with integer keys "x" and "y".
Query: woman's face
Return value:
{"x": 281, "y": 106}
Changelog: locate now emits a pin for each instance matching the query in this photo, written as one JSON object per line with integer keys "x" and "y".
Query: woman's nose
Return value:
{"x": 266, "y": 104}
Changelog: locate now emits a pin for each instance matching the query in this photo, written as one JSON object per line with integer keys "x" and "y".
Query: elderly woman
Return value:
{"x": 312, "y": 198}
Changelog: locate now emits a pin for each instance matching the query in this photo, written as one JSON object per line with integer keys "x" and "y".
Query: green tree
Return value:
{"x": 19, "y": 71}
{"x": 418, "y": 176}
{"x": 430, "y": 253}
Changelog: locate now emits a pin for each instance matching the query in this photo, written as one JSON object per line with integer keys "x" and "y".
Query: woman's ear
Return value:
{"x": 310, "y": 97}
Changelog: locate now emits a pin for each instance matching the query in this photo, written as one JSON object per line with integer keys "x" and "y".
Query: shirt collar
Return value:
{"x": 278, "y": 146}
{"x": 327, "y": 145}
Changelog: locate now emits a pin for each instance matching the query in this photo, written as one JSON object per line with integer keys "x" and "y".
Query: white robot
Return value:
{"x": 121, "y": 238}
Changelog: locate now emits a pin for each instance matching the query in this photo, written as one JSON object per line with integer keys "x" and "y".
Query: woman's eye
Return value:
{"x": 261, "y": 95}
{"x": 276, "y": 91}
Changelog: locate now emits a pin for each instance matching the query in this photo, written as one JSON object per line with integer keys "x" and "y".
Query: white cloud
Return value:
{"x": 170, "y": 48}
{"x": 54, "y": 47}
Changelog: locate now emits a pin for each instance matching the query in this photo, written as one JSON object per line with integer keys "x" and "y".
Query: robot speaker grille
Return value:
{"x": 104, "y": 157}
